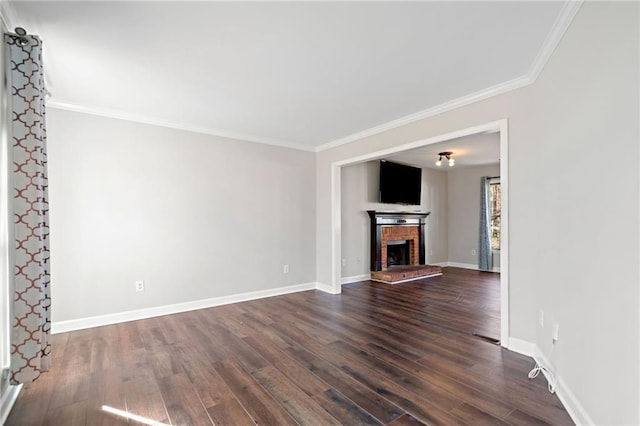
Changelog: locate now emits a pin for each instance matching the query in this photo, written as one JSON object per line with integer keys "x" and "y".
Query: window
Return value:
{"x": 494, "y": 206}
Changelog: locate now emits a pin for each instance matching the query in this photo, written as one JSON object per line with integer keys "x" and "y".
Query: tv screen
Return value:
{"x": 400, "y": 184}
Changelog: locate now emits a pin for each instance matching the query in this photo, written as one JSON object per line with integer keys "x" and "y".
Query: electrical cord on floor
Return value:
{"x": 550, "y": 375}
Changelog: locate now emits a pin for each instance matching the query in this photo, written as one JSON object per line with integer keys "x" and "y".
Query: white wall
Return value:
{"x": 585, "y": 224}
{"x": 192, "y": 215}
{"x": 463, "y": 186}
{"x": 360, "y": 187}
{"x": 573, "y": 221}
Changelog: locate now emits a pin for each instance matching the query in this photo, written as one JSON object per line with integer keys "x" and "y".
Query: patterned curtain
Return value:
{"x": 31, "y": 324}
{"x": 484, "y": 245}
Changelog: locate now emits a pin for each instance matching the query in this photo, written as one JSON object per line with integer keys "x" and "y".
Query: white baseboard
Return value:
{"x": 355, "y": 279}
{"x": 7, "y": 400}
{"x": 521, "y": 346}
{"x": 464, "y": 266}
{"x": 576, "y": 411}
{"x": 326, "y": 288}
{"x": 97, "y": 321}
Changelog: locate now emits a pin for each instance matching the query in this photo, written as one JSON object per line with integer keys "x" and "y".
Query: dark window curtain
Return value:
{"x": 31, "y": 324}
{"x": 484, "y": 245}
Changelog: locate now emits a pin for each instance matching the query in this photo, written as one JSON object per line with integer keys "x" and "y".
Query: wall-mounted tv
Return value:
{"x": 400, "y": 184}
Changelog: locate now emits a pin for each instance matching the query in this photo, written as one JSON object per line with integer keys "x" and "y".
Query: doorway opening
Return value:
{"x": 501, "y": 128}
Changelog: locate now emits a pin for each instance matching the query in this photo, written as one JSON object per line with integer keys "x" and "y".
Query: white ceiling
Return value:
{"x": 291, "y": 73}
{"x": 474, "y": 150}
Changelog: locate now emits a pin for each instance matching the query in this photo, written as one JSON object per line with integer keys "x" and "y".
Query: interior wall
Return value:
{"x": 463, "y": 186}
{"x": 573, "y": 224}
{"x": 587, "y": 217}
{"x": 360, "y": 188}
{"x": 194, "y": 216}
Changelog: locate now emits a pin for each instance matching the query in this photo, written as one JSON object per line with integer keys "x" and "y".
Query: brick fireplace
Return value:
{"x": 406, "y": 237}
{"x": 398, "y": 247}
{"x": 389, "y": 229}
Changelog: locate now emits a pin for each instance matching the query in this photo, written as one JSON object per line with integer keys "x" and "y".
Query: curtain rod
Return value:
{"x": 20, "y": 34}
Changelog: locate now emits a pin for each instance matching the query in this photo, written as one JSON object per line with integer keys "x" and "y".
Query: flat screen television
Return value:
{"x": 400, "y": 184}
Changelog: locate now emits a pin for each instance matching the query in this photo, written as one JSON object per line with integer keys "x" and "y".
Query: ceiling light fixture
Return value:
{"x": 448, "y": 155}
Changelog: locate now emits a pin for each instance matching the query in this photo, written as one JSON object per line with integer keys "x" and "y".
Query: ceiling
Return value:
{"x": 301, "y": 74}
{"x": 474, "y": 150}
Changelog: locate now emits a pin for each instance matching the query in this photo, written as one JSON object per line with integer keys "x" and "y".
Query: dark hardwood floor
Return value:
{"x": 377, "y": 354}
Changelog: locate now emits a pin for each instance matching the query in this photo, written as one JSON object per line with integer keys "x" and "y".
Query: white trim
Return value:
{"x": 468, "y": 266}
{"x": 336, "y": 230}
{"x": 570, "y": 402}
{"x": 499, "y": 125}
{"x": 7, "y": 400}
{"x": 326, "y": 288}
{"x": 97, "y": 321}
{"x": 498, "y": 89}
{"x": 355, "y": 279}
{"x": 560, "y": 26}
{"x": 520, "y": 346}
{"x": 504, "y": 231}
{"x": 568, "y": 399}
{"x": 482, "y": 128}
{"x": 122, "y": 115}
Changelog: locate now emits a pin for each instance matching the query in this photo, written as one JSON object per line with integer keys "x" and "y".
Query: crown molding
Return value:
{"x": 560, "y": 26}
{"x": 438, "y": 109}
{"x": 121, "y": 115}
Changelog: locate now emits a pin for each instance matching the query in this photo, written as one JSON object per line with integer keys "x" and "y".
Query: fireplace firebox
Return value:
{"x": 398, "y": 253}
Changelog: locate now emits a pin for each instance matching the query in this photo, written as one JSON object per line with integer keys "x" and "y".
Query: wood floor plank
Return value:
{"x": 106, "y": 389}
{"x": 370, "y": 401}
{"x": 300, "y": 376}
{"x": 491, "y": 404}
{"x": 255, "y": 399}
{"x": 182, "y": 402}
{"x": 303, "y": 409}
{"x": 69, "y": 415}
{"x": 345, "y": 410}
{"x": 474, "y": 416}
{"x": 229, "y": 412}
{"x": 375, "y": 370}
{"x": 375, "y": 354}
{"x": 519, "y": 418}
{"x": 142, "y": 395}
{"x": 406, "y": 420}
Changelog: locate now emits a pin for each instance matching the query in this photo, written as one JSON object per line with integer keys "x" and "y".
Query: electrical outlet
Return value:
{"x": 140, "y": 285}
{"x": 541, "y": 317}
{"x": 344, "y": 262}
{"x": 556, "y": 332}
{"x": 358, "y": 260}
{"x": 285, "y": 269}
{"x": 473, "y": 252}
